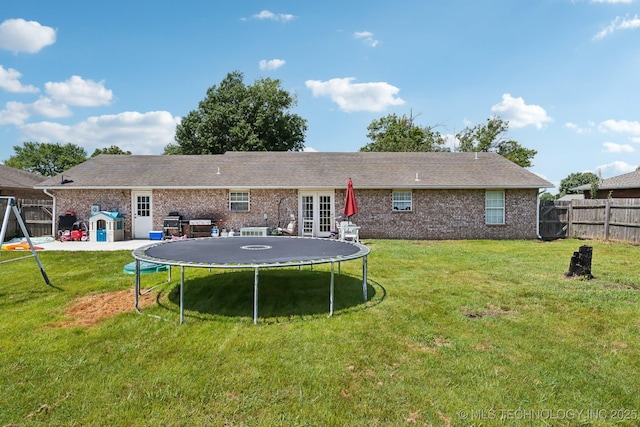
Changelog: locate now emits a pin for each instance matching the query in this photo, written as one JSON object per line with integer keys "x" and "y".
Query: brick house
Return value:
{"x": 399, "y": 195}
{"x": 626, "y": 186}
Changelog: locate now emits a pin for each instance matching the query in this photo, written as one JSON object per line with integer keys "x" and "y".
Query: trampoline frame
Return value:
{"x": 140, "y": 255}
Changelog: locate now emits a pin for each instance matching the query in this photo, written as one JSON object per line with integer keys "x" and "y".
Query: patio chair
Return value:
{"x": 289, "y": 230}
{"x": 349, "y": 231}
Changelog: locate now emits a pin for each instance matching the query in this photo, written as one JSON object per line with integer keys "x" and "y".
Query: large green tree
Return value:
{"x": 46, "y": 159}
{"x": 576, "y": 179}
{"x": 236, "y": 117}
{"x": 491, "y": 137}
{"x": 394, "y": 133}
{"x": 113, "y": 149}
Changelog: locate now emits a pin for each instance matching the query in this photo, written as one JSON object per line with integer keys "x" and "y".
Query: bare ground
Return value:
{"x": 90, "y": 310}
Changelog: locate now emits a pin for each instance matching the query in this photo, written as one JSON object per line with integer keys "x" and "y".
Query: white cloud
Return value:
{"x": 18, "y": 35}
{"x": 77, "y": 91}
{"x": 366, "y": 37}
{"x": 616, "y": 168}
{"x": 450, "y": 140}
{"x": 15, "y": 113}
{"x": 271, "y": 64}
{"x": 140, "y": 133}
{"x": 611, "y": 147}
{"x": 619, "y": 24}
{"x": 518, "y": 114}
{"x": 350, "y": 97}
{"x": 10, "y": 81}
{"x": 268, "y": 15}
{"x": 624, "y": 126}
{"x": 309, "y": 150}
{"x": 576, "y": 128}
{"x": 49, "y": 108}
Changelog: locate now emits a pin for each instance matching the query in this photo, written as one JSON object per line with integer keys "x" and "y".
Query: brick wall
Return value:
{"x": 442, "y": 214}
{"x": 215, "y": 204}
{"x": 437, "y": 214}
{"x": 80, "y": 202}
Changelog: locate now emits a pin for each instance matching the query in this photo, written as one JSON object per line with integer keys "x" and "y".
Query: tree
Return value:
{"x": 235, "y": 117}
{"x": 114, "y": 149}
{"x": 577, "y": 179}
{"x": 491, "y": 137}
{"x": 393, "y": 133}
{"x": 46, "y": 158}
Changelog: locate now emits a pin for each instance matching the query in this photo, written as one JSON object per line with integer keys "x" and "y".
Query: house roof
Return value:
{"x": 299, "y": 170}
{"x": 17, "y": 178}
{"x": 628, "y": 180}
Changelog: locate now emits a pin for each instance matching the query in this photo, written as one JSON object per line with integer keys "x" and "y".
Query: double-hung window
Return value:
{"x": 494, "y": 207}
{"x": 402, "y": 201}
{"x": 239, "y": 201}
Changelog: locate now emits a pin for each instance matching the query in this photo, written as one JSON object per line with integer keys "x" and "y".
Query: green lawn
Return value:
{"x": 455, "y": 333}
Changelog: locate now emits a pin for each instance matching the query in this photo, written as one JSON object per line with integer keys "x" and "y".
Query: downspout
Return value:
{"x": 53, "y": 213}
{"x": 540, "y": 192}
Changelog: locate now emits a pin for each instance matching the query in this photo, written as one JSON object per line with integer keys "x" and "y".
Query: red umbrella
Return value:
{"x": 350, "y": 205}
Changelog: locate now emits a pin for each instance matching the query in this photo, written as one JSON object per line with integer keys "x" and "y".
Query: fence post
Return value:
{"x": 607, "y": 213}
{"x": 570, "y": 220}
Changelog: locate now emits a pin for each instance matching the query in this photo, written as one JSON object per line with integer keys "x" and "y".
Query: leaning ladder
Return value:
{"x": 11, "y": 205}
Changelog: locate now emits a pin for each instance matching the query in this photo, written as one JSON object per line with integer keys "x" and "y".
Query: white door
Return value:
{"x": 316, "y": 213}
{"x": 142, "y": 220}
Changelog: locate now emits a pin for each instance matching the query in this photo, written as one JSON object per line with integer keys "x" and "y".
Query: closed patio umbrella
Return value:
{"x": 350, "y": 205}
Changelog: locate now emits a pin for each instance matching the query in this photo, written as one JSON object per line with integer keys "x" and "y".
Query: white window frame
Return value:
{"x": 399, "y": 199}
{"x": 234, "y": 200}
{"x": 494, "y": 205}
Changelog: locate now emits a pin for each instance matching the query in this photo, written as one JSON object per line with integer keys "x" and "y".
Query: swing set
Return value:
{"x": 11, "y": 206}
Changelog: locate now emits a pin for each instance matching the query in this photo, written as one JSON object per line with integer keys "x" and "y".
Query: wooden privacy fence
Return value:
{"x": 37, "y": 216}
{"x": 605, "y": 219}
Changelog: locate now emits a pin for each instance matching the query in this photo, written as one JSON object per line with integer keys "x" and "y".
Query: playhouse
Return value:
{"x": 106, "y": 227}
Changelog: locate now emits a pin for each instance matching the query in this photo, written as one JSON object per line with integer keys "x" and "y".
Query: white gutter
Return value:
{"x": 53, "y": 213}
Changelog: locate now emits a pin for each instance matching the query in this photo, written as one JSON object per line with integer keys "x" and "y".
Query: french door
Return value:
{"x": 316, "y": 211}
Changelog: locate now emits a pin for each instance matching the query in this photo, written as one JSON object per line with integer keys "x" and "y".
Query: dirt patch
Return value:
{"x": 490, "y": 311}
{"x": 90, "y": 310}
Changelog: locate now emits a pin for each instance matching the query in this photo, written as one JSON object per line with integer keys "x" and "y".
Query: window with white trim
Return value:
{"x": 402, "y": 201}
{"x": 239, "y": 201}
{"x": 494, "y": 207}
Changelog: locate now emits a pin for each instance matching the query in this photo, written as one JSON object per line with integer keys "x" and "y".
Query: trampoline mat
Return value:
{"x": 250, "y": 251}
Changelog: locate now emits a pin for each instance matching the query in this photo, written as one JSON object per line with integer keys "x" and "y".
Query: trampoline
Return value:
{"x": 250, "y": 253}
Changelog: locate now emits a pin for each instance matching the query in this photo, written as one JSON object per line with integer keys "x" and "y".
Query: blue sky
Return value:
{"x": 564, "y": 73}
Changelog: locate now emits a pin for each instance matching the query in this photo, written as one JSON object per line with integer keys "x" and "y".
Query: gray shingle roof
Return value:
{"x": 300, "y": 170}
{"x": 628, "y": 180}
{"x": 17, "y": 178}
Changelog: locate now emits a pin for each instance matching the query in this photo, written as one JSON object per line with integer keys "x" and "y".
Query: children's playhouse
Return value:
{"x": 106, "y": 227}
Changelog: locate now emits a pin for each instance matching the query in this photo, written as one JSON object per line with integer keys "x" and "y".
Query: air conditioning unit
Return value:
{"x": 254, "y": 231}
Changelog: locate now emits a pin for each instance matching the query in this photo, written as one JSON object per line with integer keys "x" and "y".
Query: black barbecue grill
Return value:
{"x": 172, "y": 225}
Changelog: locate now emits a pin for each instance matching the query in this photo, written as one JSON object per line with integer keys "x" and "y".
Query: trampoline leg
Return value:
{"x": 364, "y": 278}
{"x": 137, "y": 291}
{"x": 331, "y": 292}
{"x": 255, "y": 298}
{"x": 181, "y": 294}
